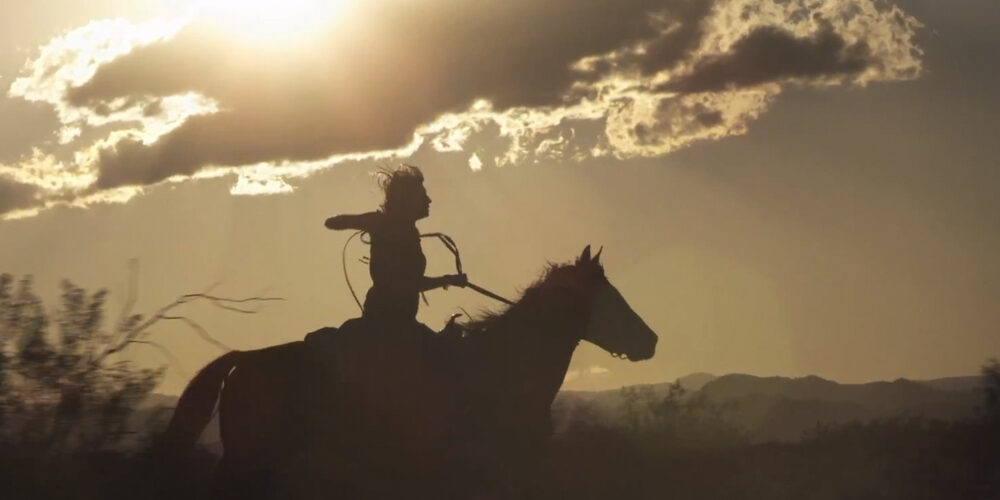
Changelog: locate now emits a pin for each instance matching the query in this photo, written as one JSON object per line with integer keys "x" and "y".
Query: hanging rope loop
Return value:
{"x": 343, "y": 263}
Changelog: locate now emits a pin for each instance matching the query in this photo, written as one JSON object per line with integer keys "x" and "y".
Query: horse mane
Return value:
{"x": 553, "y": 275}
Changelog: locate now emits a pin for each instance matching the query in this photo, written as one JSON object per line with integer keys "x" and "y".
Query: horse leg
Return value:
{"x": 256, "y": 429}
{"x": 235, "y": 480}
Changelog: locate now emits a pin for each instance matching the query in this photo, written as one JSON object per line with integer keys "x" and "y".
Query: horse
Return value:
{"x": 350, "y": 409}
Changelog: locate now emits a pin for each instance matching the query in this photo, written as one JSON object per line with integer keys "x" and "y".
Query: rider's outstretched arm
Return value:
{"x": 430, "y": 283}
{"x": 360, "y": 222}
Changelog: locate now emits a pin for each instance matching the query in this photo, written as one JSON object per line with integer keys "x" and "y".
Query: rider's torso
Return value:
{"x": 397, "y": 268}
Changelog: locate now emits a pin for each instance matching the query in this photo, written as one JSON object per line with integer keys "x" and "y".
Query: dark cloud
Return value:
{"x": 682, "y": 36}
{"x": 16, "y": 195}
{"x": 709, "y": 118}
{"x": 678, "y": 29}
{"x": 397, "y": 67}
{"x": 676, "y": 118}
{"x": 771, "y": 54}
{"x": 368, "y": 85}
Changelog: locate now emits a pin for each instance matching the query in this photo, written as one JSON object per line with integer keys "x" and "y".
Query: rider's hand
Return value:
{"x": 335, "y": 222}
{"x": 460, "y": 280}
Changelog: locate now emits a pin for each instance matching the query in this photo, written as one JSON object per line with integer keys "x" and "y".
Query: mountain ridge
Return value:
{"x": 783, "y": 408}
{"x": 768, "y": 409}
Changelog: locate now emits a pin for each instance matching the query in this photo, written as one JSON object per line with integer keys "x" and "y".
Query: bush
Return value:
{"x": 991, "y": 392}
{"x": 60, "y": 390}
{"x": 677, "y": 422}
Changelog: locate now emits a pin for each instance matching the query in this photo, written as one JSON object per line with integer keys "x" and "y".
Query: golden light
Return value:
{"x": 272, "y": 21}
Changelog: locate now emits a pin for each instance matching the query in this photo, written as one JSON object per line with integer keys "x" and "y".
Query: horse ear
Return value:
{"x": 597, "y": 256}
{"x": 585, "y": 256}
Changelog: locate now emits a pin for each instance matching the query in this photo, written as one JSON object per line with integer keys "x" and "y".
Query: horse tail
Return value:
{"x": 197, "y": 402}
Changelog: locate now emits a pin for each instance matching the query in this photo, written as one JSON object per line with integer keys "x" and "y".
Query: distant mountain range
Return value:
{"x": 767, "y": 408}
{"x": 782, "y": 408}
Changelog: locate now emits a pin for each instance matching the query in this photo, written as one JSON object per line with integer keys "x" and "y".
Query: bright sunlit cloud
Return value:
{"x": 304, "y": 87}
{"x": 271, "y": 21}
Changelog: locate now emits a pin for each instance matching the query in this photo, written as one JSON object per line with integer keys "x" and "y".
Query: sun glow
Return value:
{"x": 272, "y": 21}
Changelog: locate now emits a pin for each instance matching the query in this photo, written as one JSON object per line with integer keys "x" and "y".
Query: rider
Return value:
{"x": 397, "y": 263}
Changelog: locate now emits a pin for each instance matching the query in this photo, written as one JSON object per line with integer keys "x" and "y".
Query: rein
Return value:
{"x": 446, "y": 240}
{"x": 450, "y": 245}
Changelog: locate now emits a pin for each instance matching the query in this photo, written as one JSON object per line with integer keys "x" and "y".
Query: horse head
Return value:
{"x": 608, "y": 320}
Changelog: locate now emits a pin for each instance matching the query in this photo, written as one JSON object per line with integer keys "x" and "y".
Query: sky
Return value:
{"x": 781, "y": 187}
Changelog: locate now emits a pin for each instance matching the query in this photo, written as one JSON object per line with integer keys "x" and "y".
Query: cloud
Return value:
{"x": 557, "y": 81}
{"x": 773, "y": 54}
{"x": 597, "y": 370}
{"x": 15, "y": 196}
{"x": 581, "y": 375}
{"x": 75, "y": 57}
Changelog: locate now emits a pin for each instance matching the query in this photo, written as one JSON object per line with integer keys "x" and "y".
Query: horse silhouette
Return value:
{"x": 377, "y": 414}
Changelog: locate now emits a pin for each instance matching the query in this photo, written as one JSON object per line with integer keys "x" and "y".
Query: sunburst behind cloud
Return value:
{"x": 172, "y": 100}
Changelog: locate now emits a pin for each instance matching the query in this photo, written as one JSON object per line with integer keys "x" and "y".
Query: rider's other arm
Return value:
{"x": 361, "y": 222}
{"x": 429, "y": 283}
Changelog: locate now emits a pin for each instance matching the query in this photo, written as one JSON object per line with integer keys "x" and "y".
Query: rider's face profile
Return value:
{"x": 416, "y": 204}
{"x": 422, "y": 202}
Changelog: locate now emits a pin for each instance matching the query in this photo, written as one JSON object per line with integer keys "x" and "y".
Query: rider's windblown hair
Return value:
{"x": 398, "y": 184}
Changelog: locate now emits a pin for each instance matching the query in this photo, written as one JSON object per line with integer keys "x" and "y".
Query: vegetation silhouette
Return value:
{"x": 394, "y": 412}
{"x": 57, "y": 392}
{"x": 73, "y": 420}
{"x": 382, "y": 407}
{"x": 683, "y": 446}
{"x": 661, "y": 444}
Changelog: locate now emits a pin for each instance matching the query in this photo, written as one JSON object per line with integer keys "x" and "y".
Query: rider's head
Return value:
{"x": 405, "y": 196}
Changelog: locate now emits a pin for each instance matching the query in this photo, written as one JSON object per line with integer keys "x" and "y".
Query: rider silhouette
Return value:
{"x": 397, "y": 262}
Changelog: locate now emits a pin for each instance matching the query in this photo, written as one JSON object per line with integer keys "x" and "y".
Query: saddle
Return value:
{"x": 396, "y": 385}
{"x": 382, "y": 342}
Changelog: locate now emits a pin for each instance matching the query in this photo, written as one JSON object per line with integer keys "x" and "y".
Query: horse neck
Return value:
{"x": 536, "y": 344}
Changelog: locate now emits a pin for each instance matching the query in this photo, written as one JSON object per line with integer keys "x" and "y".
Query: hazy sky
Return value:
{"x": 781, "y": 187}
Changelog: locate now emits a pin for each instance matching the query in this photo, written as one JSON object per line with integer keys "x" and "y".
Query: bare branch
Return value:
{"x": 124, "y": 336}
{"x": 200, "y": 330}
{"x": 225, "y": 302}
{"x": 166, "y": 353}
{"x": 150, "y": 321}
{"x": 125, "y": 322}
{"x": 211, "y": 287}
{"x": 133, "y": 293}
{"x": 240, "y": 310}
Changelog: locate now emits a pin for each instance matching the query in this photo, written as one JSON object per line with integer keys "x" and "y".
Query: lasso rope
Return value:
{"x": 446, "y": 240}
{"x": 343, "y": 263}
